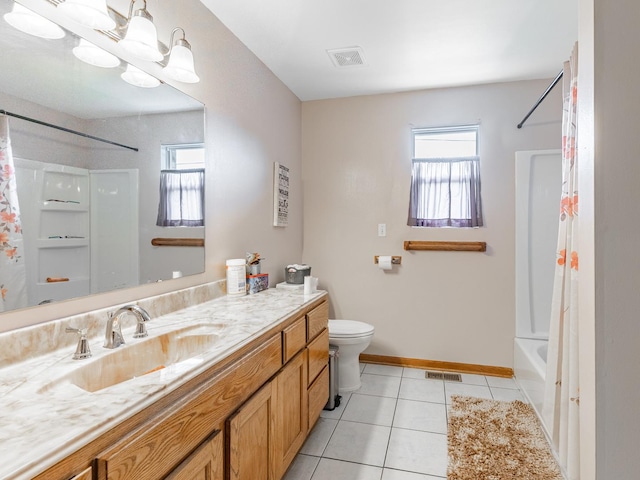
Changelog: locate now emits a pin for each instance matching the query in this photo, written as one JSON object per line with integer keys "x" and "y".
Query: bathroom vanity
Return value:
{"x": 238, "y": 404}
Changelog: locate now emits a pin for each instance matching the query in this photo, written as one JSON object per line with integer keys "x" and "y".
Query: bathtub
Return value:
{"x": 530, "y": 367}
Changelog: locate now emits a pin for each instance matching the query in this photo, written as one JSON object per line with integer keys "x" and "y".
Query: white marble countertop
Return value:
{"x": 41, "y": 426}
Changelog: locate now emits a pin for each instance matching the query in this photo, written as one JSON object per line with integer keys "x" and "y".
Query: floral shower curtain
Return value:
{"x": 560, "y": 411}
{"x": 13, "y": 287}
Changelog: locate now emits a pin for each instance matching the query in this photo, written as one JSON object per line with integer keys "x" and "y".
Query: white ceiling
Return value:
{"x": 408, "y": 44}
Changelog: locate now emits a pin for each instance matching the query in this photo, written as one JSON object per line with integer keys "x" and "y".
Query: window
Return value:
{"x": 181, "y": 186}
{"x": 185, "y": 156}
{"x": 445, "y": 178}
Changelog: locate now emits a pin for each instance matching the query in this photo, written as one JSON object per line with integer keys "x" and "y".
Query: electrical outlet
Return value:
{"x": 382, "y": 229}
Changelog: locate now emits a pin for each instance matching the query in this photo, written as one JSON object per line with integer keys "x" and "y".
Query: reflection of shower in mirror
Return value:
{"x": 58, "y": 204}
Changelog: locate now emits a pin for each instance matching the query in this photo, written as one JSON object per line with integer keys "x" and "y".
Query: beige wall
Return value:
{"x": 252, "y": 120}
{"x": 617, "y": 233}
{"x": 448, "y": 306}
{"x": 586, "y": 288}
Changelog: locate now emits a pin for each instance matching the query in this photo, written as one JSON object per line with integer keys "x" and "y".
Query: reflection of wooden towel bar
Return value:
{"x": 446, "y": 246}
{"x": 177, "y": 242}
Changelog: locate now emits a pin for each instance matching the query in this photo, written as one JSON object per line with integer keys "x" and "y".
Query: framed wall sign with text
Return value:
{"x": 280, "y": 195}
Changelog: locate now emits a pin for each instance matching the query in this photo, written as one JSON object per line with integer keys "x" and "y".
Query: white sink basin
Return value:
{"x": 140, "y": 357}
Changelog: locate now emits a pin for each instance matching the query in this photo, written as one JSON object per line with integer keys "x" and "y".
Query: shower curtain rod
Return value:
{"x": 64, "y": 129}
{"x": 544, "y": 95}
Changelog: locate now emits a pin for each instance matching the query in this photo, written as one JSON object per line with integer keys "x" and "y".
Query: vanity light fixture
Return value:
{"x": 30, "y": 22}
{"x": 141, "y": 39}
{"x": 138, "y": 78}
{"x": 94, "y": 55}
{"x": 90, "y": 13}
{"x": 180, "y": 66}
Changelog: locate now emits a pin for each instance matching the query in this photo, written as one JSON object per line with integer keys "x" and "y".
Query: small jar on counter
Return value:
{"x": 236, "y": 277}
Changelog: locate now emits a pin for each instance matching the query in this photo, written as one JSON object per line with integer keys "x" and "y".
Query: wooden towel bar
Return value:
{"x": 446, "y": 246}
{"x": 177, "y": 242}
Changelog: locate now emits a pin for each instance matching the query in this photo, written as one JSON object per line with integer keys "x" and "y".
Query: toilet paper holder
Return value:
{"x": 395, "y": 259}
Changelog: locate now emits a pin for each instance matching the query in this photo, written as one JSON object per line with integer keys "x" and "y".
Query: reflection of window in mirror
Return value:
{"x": 182, "y": 157}
{"x": 182, "y": 186}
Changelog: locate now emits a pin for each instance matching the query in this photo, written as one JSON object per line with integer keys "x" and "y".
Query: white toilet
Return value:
{"x": 351, "y": 337}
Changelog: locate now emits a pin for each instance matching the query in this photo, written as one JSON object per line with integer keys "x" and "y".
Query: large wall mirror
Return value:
{"x": 89, "y": 207}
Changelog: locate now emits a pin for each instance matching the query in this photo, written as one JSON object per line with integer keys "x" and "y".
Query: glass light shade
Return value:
{"x": 141, "y": 39}
{"x": 94, "y": 55}
{"x": 91, "y": 13}
{"x": 180, "y": 66}
{"x": 30, "y": 22}
{"x": 138, "y": 78}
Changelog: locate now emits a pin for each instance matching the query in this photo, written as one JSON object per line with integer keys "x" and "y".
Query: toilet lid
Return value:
{"x": 349, "y": 328}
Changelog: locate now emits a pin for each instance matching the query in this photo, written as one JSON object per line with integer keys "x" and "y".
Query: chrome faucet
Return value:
{"x": 113, "y": 337}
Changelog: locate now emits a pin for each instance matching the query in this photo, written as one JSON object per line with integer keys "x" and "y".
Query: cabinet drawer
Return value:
{"x": 318, "y": 395}
{"x": 317, "y": 320}
{"x": 318, "y": 354}
{"x": 161, "y": 444}
{"x": 293, "y": 339}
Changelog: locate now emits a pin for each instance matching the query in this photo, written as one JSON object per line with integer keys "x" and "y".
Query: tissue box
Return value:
{"x": 257, "y": 283}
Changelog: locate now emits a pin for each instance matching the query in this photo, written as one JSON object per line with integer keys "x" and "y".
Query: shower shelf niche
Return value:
{"x": 63, "y": 236}
{"x": 58, "y": 214}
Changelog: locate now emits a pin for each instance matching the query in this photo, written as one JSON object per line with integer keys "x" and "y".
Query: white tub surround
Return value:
{"x": 40, "y": 426}
{"x": 538, "y": 190}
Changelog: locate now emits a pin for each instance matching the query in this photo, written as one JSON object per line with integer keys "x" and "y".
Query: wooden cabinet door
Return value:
{"x": 291, "y": 420}
{"x": 250, "y": 439}
{"x": 206, "y": 463}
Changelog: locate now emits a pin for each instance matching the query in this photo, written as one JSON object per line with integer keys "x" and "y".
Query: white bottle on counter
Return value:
{"x": 236, "y": 276}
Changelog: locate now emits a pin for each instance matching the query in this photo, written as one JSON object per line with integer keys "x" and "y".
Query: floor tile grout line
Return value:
{"x": 386, "y": 450}
{"x": 324, "y": 449}
{"x": 345, "y": 461}
{"x": 315, "y": 469}
{"x": 351, "y": 461}
{"x": 373, "y": 395}
{"x": 414, "y": 472}
{"x": 330, "y": 436}
{"x": 413, "y": 430}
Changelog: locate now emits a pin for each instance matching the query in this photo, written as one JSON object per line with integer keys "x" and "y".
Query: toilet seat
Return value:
{"x": 349, "y": 329}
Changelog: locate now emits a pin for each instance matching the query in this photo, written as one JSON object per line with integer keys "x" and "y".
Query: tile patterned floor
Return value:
{"x": 393, "y": 428}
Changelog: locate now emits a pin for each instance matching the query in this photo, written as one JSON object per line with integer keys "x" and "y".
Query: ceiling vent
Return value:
{"x": 347, "y": 57}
